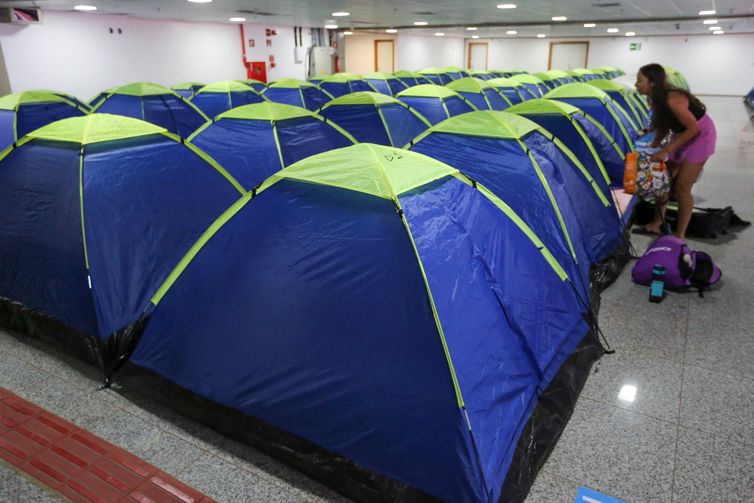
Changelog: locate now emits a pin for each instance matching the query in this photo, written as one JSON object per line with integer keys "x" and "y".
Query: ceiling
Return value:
{"x": 530, "y": 17}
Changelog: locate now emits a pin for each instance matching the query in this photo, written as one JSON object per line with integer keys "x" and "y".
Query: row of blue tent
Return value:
{"x": 368, "y": 117}
{"x": 390, "y": 316}
{"x": 184, "y": 109}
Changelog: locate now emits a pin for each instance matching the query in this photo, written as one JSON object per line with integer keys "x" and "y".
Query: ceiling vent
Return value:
{"x": 606, "y": 5}
{"x": 259, "y": 13}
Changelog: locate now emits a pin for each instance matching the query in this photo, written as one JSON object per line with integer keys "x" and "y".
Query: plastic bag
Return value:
{"x": 652, "y": 180}
{"x": 630, "y": 172}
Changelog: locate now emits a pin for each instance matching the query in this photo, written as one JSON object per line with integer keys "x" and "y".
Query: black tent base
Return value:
{"x": 540, "y": 433}
{"x": 31, "y": 323}
{"x": 549, "y": 419}
{"x": 604, "y": 273}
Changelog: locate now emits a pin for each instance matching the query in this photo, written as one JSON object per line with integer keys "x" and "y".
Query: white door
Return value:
{"x": 477, "y": 57}
{"x": 384, "y": 51}
{"x": 568, "y": 55}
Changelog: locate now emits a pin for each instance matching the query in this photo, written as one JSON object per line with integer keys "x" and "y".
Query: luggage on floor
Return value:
{"x": 684, "y": 268}
{"x": 706, "y": 223}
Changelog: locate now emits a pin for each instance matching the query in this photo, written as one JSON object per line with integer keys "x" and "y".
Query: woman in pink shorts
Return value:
{"x": 693, "y": 141}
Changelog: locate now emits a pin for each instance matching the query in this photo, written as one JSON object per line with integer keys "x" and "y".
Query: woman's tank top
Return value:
{"x": 696, "y": 107}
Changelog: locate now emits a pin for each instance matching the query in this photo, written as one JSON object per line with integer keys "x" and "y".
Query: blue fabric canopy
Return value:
{"x": 561, "y": 204}
{"x": 310, "y": 97}
{"x": 142, "y": 201}
{"x": 337, "y": 89}
{"x": 214, "y": 103}
{"x": 390, "y": 86}
{"x": 167, "y": 110}
{"x": 391, "y": 124}
{"x": 14, "y": 124}
{"x": 436, "y": 109}
{"x": 566, "y": 128}
{"x": 251, "y": 150}
{"x": 413, "y": 343}
{"x": 601, "y": 111}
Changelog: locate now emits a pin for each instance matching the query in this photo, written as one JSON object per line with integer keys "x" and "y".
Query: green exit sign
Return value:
{"x": 634, "y": 46}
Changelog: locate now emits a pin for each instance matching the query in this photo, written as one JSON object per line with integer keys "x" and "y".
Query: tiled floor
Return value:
{"x": 687, "y": 437}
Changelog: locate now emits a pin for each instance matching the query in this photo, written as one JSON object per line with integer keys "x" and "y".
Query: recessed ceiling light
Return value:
{"x": 506, "y": 6}
{"x": 391, "y": 30}
{"x": 627, "y": 393}
{"x": 559, "y": 18}
{"x": 541, "y": 35}
{"x": 709, "y": 21}
{"x": 630, "y": 33}
{"x": 589, "y": 25}
{"x": 347, "y": 33}
{"x": 718, "y": 32}
{"x": 420, "y": 23}
{"x": 707, "y": 12}
{"x": 331, "y": 26}
{"x": 237, "y": 19}
{"x": 439, "y": 34}
{"x": 85, "y": 8}
{"x": 475, "y": 36}
{"x": 613, "y": 30}
{"x": 471, "y": 28}
{"x": 511, "y": 32}
{"x": 341, "y": 14}
{"x": 713, "y": 28}
{"x": 200, "y": 1}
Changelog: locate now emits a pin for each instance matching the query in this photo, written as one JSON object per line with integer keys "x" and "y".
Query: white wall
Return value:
{"x": 712, "y": 64}
{"x": 360, "y": 51}
{"x": 75, "y": 53}
{"x": 415, "y": 52}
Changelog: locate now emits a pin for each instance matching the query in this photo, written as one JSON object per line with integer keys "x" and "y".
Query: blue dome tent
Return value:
{"x": 385, "y": 83}
{"x": 586, "y": 137}
{"x": 218, "y": 97}
{"x": 255, "y": 141}
{"x": 514, "y": 91}
{"x": 341, "y": 84}
{"x": 435, "y": 103}
{"x": 22, "y": 113}
{"x": 383, "y": 329}
{"x": 375, "y": 118}
{"x": 297, "y": 93}
{"x": 539, "y": 177}
{"x": 599, "y": 105}
{"x": 436, "y": 76}
{"x": 117, "y": 203}
{"x": 153, "y": 103}
{"x": 411, "y": 79}
{"x": 483, "y": 95}
{"x": 534, "y": 84}
{"x": 456, "y": 72}
{"x": 624, "y": 98}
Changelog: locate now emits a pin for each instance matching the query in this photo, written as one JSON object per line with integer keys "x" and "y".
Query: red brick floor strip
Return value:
{"x": 78, "y": 465}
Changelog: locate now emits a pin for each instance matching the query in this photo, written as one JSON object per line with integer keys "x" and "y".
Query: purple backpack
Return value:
{"x": 684, "y": 267}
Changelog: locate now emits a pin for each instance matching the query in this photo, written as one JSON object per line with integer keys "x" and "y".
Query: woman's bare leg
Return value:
{"x": 684, "y": 181}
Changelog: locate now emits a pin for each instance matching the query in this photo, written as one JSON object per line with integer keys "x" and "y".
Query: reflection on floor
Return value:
{"x": 687, "y": 435}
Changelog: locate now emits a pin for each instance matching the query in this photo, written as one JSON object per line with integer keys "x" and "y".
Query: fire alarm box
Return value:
{"x": 259, "y": 71}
